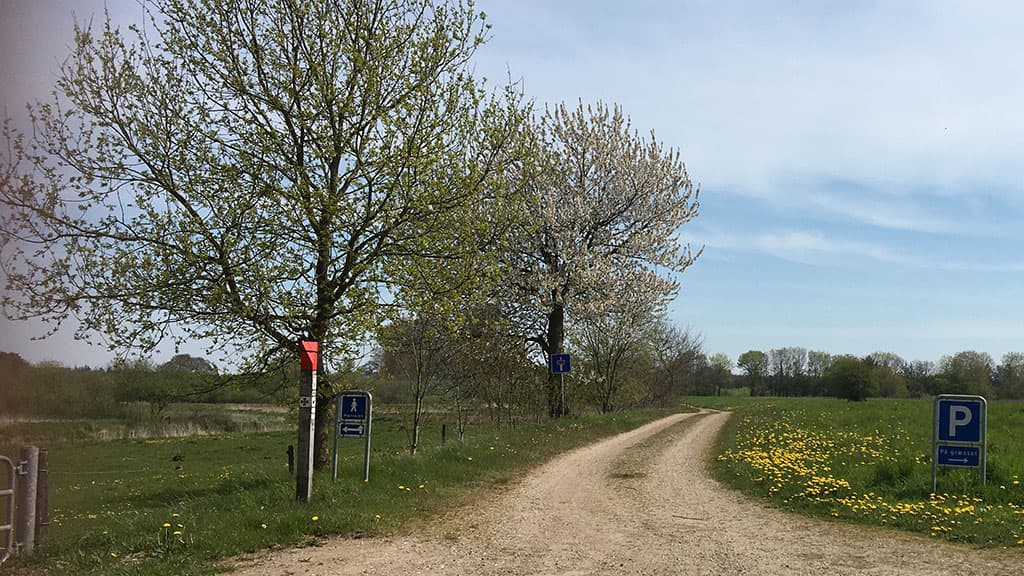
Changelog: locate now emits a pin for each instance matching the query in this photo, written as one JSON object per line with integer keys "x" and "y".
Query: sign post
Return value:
{"x": 307, "y": 420}
{"x": 561, "y": 364}
{"x": 959, "y": 431}
{"x": 353, "y": 417}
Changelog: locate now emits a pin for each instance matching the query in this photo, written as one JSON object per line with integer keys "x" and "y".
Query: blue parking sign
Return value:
{"x": 959, "y": 430}
{"x": 960, "y": 419}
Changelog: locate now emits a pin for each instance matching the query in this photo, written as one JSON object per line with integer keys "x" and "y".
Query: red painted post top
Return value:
{"x": 308, "y": 356}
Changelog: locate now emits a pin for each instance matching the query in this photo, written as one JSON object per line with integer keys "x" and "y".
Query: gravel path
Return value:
{"x": 638, "y": 503}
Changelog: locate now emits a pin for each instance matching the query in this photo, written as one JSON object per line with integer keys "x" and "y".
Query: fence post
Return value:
{"x": 307, "y": 421}
{"x": 25, "y": 529}
{"x": 9, "y": 495}
{"x": 42, "y": 498}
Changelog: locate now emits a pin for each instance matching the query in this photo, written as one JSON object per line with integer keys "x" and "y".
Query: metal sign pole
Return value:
{"x": 369, "y": 427}
{"x": 337, "y": 414}
{"x": 562, "y": 410}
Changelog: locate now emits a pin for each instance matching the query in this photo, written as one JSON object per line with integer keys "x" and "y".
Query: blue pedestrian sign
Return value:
{"x": 353, "y": 407}
{"x": 960, "y": 419}
{"x": 560, "y": 364}
{"x": 353, "y": 418}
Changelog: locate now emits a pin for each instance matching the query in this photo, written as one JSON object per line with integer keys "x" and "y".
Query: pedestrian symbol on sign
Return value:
{"x": 354, "y": 407}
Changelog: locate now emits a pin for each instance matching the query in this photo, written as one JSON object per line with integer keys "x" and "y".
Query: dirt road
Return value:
{"x": 638, "y": 503}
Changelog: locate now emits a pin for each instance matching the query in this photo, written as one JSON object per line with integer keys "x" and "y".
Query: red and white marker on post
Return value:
{"x": 308, "y": 357}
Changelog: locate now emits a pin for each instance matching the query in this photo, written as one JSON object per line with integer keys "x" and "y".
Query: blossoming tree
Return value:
{"x": 606, "y": 209}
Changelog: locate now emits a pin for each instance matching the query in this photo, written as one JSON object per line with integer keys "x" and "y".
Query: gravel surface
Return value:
{"x": 638, "y": 503}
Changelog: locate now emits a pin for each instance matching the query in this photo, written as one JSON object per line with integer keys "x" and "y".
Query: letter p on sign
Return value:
{"x": 958, "y": 416}
{"x": 960, "y": 419}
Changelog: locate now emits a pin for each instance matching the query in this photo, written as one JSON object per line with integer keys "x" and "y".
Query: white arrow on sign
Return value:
{"x": 352, "y": 429}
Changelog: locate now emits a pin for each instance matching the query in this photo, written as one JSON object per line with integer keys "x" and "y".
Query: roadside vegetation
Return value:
{"x": 182, "y": 505}
{"x": 870, "y": 462}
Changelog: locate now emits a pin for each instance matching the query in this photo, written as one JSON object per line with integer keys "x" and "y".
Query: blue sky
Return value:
{"x": 861, "y": 164}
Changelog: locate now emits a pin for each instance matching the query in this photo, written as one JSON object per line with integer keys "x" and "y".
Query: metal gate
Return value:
{"x": 7, "y": 529}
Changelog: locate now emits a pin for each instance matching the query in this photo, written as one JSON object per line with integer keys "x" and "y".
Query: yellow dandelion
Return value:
{"x": 113, "y": 554}
{"x": 167, "y": 524}
{"x": 177, "y": 532}
{"x": 315, "y": 518}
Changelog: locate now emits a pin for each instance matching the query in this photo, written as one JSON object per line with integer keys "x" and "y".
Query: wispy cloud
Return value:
{"x": 803, "y": 246}
{"x": 885, "y": 212}
{"x": 809, "y": 246}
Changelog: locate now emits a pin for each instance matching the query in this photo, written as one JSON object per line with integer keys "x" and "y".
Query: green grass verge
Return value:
{"x": 870, "y": 462}
{"x": 170, "y": 506}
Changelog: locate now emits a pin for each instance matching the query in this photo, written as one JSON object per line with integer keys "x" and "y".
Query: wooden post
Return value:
{"x": 307, "y": 421}
{"x": 25, "y": 525}
{"x": 42, "y": 498}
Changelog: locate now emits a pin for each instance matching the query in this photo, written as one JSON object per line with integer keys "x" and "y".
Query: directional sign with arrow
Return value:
{"x": 960, "y": 456}
{"x": 349, "y": 430}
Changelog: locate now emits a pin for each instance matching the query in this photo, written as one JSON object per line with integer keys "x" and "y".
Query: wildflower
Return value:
{"x": 167, "y": 524}
{"x": 114, "y": 554}
{"x": 177, "y": 532}
{"x": 315, "y": 518}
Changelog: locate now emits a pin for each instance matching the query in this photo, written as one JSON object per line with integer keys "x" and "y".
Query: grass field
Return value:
{"x": 141, "y": 420}
{"x": 162, "y": 506}
{"x": 870, "y": 462}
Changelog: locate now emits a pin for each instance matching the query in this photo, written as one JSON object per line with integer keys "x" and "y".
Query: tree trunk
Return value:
{"x": 555, "y": 340}
{"x": 414, "y": 436}
{"x": 322, "y": 433}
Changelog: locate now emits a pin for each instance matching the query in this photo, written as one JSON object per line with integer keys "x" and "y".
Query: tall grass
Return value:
{"x": 142, "y": 420}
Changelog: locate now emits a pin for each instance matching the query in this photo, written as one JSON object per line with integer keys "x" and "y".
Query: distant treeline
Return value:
{"x": 51, "y": 390}
{"x": 509, "y": 386}
{"x": 795, "y": 371}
